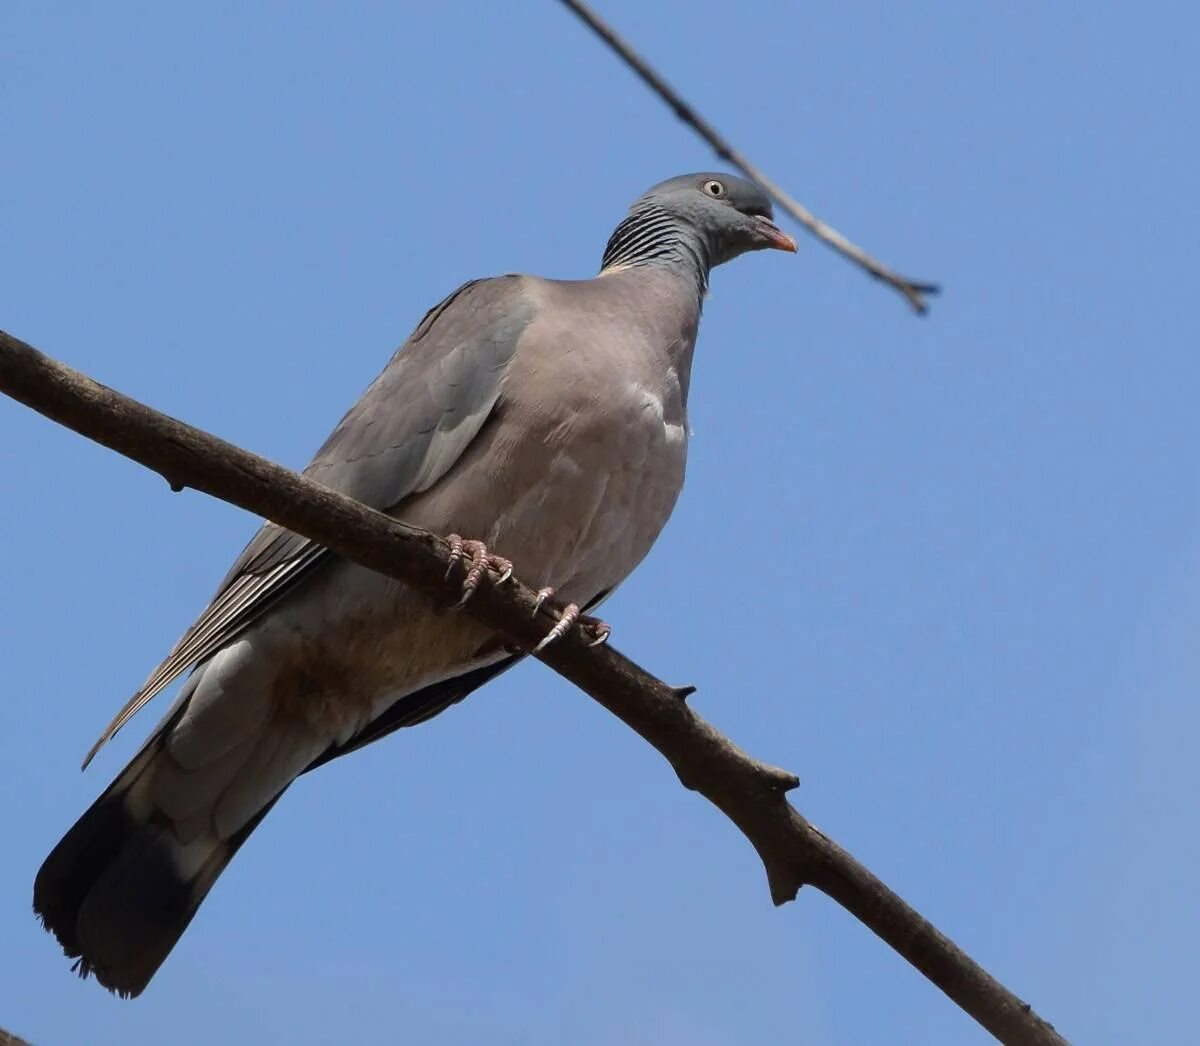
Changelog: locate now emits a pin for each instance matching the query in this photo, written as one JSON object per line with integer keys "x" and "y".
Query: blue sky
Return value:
{"x": 947, "y": 570}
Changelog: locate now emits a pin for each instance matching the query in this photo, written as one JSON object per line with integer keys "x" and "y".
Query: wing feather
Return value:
{"x": 403, "y": 435}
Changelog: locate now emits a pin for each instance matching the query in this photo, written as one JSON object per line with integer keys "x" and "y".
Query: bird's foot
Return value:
{"x": 571, "y": 617}
{"x": 479, "y": 563}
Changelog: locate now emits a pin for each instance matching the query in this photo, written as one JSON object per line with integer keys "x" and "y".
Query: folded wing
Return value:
{"x": 403, "y": 435}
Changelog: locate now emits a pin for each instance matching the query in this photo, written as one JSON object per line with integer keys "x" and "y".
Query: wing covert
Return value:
{"x": 404, "y": 434}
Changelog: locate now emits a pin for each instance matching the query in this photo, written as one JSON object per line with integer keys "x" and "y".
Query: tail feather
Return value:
{"x": 67, "y": 875}
{"x": 120, "y": 888}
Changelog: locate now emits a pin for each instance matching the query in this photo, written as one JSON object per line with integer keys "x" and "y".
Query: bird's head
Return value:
{"x": 731, "y": 215}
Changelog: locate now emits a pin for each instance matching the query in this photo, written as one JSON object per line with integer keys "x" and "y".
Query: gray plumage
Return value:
{"x": 545, "y": 418}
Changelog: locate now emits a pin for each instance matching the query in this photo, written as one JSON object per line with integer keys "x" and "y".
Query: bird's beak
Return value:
{"x": 774, "y": 236}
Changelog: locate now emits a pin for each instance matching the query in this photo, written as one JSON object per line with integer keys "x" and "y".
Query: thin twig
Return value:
{"x": 750, "y": 793}
{"x": 913, "y": 290}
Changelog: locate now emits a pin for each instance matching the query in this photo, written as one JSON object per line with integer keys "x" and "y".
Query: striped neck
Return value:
{"x": 652, "y": 236}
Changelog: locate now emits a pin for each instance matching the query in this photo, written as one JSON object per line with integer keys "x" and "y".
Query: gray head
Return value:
{"x": 694, "y": 222}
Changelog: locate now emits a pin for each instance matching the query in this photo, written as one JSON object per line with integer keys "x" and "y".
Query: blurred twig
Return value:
{"x": 914, "y": 291}
{"x": 750, "y": 793}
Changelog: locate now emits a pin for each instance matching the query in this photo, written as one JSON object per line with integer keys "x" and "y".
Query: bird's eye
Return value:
{"x": 714, "y": 188}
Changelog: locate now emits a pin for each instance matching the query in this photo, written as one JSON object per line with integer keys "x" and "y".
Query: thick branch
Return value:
{"x": 914, "y": 291}
{"x": 749, "y": 793}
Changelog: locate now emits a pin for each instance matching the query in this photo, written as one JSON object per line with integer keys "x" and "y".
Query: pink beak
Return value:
{"x": 775, "y": 236}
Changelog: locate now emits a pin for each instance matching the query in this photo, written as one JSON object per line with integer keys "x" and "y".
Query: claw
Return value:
{"x": 542, "y": 595}
{"x": 570, "y": 618}
{"x": 602, "y": 629}
{"x": 482, "y": 561}
{"x": 562, "y": 626}
{"x": 474, "y": 575}
{"x": 455, "y": 542}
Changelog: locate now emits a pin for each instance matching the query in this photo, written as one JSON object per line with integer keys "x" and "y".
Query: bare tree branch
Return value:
{"x": 748, "y": 792}
{"x": 913, "y": 290}
{"x": 7, "y": 1038}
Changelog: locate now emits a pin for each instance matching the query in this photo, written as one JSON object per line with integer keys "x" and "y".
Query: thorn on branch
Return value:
{"x": 783, "y": 780}
{"x": 775, "y": 777}
{"x": 682, "y": 693}
{"x": 784, "y": 884}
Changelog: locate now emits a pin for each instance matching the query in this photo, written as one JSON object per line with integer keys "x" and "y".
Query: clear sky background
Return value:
{"x": 947, "y": 570}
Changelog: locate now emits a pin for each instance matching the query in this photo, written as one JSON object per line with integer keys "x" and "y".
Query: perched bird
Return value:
{"x": 546, "y": 420}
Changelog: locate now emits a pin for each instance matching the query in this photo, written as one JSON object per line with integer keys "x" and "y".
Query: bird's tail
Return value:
{"x": 121, "y": 887}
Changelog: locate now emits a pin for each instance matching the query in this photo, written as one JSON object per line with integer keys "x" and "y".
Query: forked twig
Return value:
{"x": 914, "y": 291}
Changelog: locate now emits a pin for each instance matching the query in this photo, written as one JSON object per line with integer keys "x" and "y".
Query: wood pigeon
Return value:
{"x": 546, "y": 419}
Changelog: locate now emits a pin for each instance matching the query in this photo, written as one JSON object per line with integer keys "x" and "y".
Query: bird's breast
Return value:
{"x": 573, "y": 484}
